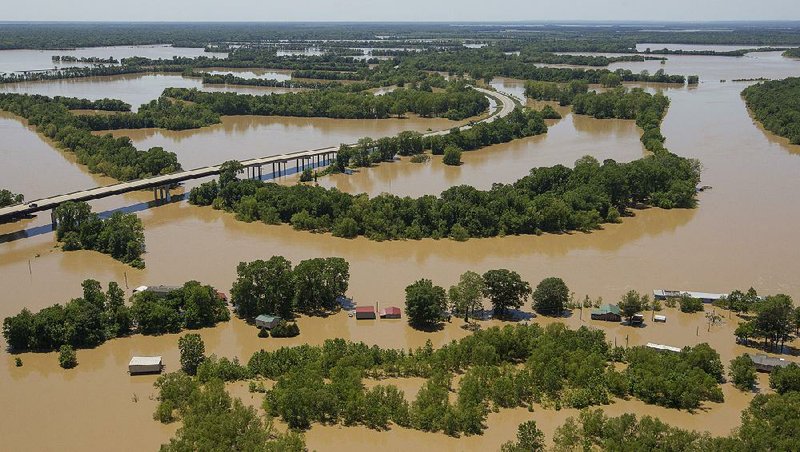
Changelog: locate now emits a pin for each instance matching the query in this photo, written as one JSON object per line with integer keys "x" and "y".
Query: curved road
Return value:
{"x": 506, "y": 106}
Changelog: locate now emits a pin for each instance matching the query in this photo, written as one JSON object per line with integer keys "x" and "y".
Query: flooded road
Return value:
{"x": 743, "y": 233}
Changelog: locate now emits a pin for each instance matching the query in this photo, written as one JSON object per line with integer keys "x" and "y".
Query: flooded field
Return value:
{"x": 743, "y": 233}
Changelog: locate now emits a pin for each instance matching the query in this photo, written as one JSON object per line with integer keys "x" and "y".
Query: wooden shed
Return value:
{"x": 145, "y": 365}
{"x": 365, "y": 313}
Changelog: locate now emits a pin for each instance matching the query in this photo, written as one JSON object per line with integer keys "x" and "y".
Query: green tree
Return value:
{"x": 785, "y": 379}
{"x": 466, "y": 297}
{"x": 551, "y": 296}
{"x": 529, "y": 439}
{"x": 192, "y": 351}
{"x": 631, "y": 304}
{"x": 264, "y": 287}
{"x": 774, "y": 320}
{"x": 506, "y": 290}
{"x": 67, "y": 357}
{"x": 743, "y": 372}
{"x": 425, "y": 303}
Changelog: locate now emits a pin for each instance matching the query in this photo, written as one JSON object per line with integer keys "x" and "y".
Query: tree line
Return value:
{"x": 74, "y": 59}
{"x": 520, "y": 123}
{"x": 97, "y": 316}
{"x": 121, "y": 235}
{"x": 549, "y": 199}
{"x": 114, "y": 157}
{"x": 457, "y": 102}
{"x": 774, "y": 105}
{"x": 273, "y": 287}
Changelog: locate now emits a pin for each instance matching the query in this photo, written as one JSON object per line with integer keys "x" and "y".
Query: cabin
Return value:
{"x": 390, "y": 313}
{"x": 660, "y": 318}
{"x": 161, "y": 290}
{"x": 766, "y": 363}
{"x": 705, "y": 297}
{"x": 607, "y": 312}
{"x": 663, "y": 348}
{"x": 365, "y": 313}
{"x": 267, "y": 321}
{"x": 140, "y": 365}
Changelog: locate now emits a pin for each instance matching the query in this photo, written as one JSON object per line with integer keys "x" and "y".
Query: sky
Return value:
{"x": 401, "y": 11}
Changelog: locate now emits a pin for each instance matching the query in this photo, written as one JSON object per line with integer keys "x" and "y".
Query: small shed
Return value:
{"x": 637, "y": 319}
{"x": 607, "y": 312}
{"x": 222, "y": 296}
{"x": 766, "y": 363}
{"x": 391, "y": 312}
{"x": 660, "y": 318}
{"x": 160, "y": 290}
{"x": 267, "y": 321}
{"x": 365, "y": 313}
{"x": 145, "y": 365}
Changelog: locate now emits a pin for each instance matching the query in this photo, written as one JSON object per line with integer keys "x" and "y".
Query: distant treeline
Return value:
{"x": 553, "y": 37}
{"x": 458, "y": 101}
{"x": 489, "y": 62}
{"x": 93, "y": 60}
{"x": 775, "y": 105}
{"x": 115, "y": 157}
{"x": 98, "y": 316}
{"x": 730, "y": 53}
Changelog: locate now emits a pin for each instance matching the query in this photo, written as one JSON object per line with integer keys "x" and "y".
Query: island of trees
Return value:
{"x": 121, "y": 235}
{"x": 88, "y": 321}
{"x": 774, "y": 104}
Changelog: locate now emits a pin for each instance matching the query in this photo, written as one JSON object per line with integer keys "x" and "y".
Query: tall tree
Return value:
{"x": 425, "y": 303}
{"x": 630, "y": 304}
{"x": 466, "y": 297}
{"x": 264, "y": 287}
{"x": 193, "y": 352}
{"x": 505, "y": 289}
{"x": 550, "y": 296}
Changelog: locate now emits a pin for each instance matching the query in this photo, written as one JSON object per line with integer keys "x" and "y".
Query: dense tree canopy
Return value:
{"x": 425, "y": 303}
{"x": 776, "y": 105}
{"x": 273, "y": 287}
{"x": 8, "y": 198}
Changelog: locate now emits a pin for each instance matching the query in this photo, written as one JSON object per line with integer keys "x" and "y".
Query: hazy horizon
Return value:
{"x": 408, "y": 11}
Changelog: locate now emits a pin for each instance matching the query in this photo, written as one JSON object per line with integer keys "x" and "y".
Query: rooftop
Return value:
{"x": 145, "y": 361}
{"x": 365, "y": 309}
{"x": 607, "y": 308}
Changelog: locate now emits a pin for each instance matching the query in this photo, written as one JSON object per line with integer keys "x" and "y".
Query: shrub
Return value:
{"x": 263, "y": 332}
{"x": 307, "y": 175}
{"x": 420, "y": 158}
{"x": 452, "y": 156}
{"x": 689, "y": 304}
{"x": 67, "y": 357}
{"x": 285, "y": 329}
{"x": 785, "y": 379}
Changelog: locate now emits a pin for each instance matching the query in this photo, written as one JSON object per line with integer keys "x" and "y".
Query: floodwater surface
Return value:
{"x": 742, "y": 234}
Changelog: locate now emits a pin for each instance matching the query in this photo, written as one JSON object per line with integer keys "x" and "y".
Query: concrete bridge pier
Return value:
{"x": 162, "y": 193}
{"x": 53, "y": 219}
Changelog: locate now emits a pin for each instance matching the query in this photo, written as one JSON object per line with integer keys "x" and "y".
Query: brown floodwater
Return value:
{"x": 743, "y": 233}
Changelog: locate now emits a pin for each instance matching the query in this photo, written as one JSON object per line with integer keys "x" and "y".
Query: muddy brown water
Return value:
{"x": 743, "y": 233}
